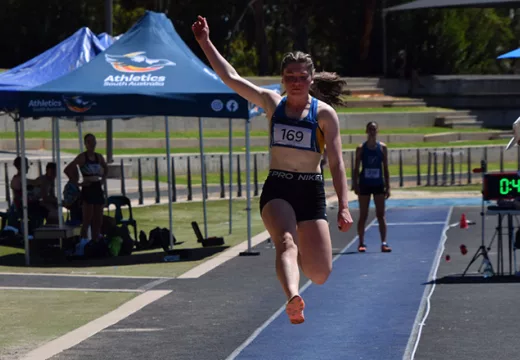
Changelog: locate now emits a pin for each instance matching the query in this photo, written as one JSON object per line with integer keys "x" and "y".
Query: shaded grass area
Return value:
{"x": 151, "y": 262}
{"x": 31, "y": 318}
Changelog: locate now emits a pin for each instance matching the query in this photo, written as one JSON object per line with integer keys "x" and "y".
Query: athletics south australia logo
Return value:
{"x": 137, "y": 68}
{"x": 78, "y": 104}
{"x": 74, "y": 103}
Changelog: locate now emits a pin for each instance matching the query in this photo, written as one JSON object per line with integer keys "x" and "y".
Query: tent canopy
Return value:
{"x": 511, "y": 55}
{"x": 105, "y": 39}
{"x": 70, "y": 54}
{"x": 148, "y": 71}
{"x": 425, "y": 4}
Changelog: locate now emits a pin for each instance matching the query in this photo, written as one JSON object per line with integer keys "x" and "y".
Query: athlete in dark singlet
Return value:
{"x": 303, "y": 191}
{"x": 293, "y": 197}
{"x": 93, "y": 168}
{"x": 373, "y": 180}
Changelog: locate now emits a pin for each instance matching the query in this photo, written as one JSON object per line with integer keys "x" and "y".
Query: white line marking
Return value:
{"x": 82, "y": 333}
{"x": 425, "y": 302}
{"x": 229, "y": 254}
{"x": 68, "y": 289}
{"x": 86, "y": 275}
{"x": 152, "y": 284}
{"x": 417, "y": 223}
{"x": 262, "y": 327}
{"x": 226, "y": 255}
{"x": 133, "y": 330}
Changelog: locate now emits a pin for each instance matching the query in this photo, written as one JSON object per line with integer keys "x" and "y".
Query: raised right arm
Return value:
{"x": 265, "y": 98}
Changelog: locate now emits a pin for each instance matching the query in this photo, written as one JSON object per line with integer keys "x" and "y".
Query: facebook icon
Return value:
{"x": 232, "y": 105}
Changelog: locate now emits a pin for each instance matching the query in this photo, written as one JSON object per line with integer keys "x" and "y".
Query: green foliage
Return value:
{"x": 125, "y": 18}
{"x": 440, "y": 41}
{"x": 454, "y": 41}
{"x": 243, "y": 57}
{"x": 467, "y": 40}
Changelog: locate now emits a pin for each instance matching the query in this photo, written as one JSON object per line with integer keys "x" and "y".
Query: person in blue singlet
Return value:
{"x": 93, "y": 168}
{"x": 292, "y": 203}
{"x": 373, "y": 180}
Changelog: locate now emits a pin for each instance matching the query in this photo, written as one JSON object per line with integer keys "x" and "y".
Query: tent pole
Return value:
{"x": 110, "y": 141}
{"x": 109, "y": 8}
{"x": 17, "y": 133}
{"x": 25, "y": 213}
{"x": 169, "y": 170}
{"x": 203, "y": 177}
{"x": 248, "y": 186}
{"x": 53, "y": 126}
{"x": 230, "y": 175}
{"x": 385, "y": 60}
{"x": 79, "y": 124}
{"x": 58, "y": 173}
{"x": 248, "y": 192}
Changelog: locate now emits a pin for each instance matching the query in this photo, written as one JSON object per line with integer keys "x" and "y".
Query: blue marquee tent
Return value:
{"x": 70, "y": 54}
{"x": 149, "y": 71}
{"x": 105, "y": 39}
{"x": 510, "y": 55}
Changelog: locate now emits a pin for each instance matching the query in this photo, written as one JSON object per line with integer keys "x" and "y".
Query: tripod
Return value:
{"x": 482, "y": 249}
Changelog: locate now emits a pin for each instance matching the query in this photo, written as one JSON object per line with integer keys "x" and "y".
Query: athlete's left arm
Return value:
{"x": 386, "y": 172}
{"x": 329, "y": 123}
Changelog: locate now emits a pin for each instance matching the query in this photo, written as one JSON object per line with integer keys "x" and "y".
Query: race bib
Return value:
{"x": 292, "y": 136}
{"x": 372, "y": 173}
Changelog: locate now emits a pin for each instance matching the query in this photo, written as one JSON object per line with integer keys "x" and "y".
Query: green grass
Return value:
{"x": 419, "y": 130}
{"x": 391, "y": 109}
{"x": 225, "y": 134}
{"x": 31, "y": 318}
{"x": 225, "y": 150}
{"x": 148, "y": 218}
{"x": 156, "y": 151}
{"x": 373, "y": 98}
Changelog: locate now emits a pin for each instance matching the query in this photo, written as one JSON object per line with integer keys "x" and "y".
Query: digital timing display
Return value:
{"x": 501, "y": 186}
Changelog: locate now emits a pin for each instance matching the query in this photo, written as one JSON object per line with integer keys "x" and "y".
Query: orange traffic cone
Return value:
{"x": 463, "y": 222}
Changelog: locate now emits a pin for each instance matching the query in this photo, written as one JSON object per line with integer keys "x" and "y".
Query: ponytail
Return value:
{"x": 328, "y": 87}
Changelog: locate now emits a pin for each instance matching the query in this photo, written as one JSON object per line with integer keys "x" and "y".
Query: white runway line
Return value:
{"x": 67, "y": 289}
{"x": 82, "y": 333}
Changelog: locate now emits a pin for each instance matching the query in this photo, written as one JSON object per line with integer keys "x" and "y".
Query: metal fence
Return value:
{"x": 145, "y": 177}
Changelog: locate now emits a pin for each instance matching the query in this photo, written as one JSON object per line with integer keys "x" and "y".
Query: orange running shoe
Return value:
{"x": 362, "y": 248}
{"x": 294, "y": 309}
{"x": 385, "y": 248}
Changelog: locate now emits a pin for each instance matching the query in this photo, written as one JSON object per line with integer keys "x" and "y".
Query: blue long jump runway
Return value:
{"x": 368, "y": 307}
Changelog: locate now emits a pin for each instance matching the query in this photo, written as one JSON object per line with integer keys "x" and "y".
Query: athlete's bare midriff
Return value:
{"x": 295, "y": 160}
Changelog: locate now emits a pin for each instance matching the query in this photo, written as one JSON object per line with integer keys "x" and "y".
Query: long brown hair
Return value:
{"x": 326, "y": 86}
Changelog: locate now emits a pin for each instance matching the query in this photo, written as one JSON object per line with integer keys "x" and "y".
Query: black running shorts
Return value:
{"x": 305, "y": 192}
{"x": 93, "y": 194}
{"x": 371, "y": 189}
